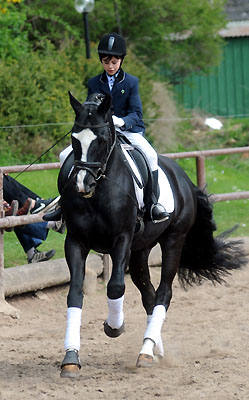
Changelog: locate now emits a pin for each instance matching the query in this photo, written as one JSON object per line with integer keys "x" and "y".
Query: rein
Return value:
{"x": 125, "y": 191}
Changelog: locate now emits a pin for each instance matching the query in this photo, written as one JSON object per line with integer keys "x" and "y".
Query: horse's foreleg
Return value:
{"x": 114, "y": 325}
{"x": 76, "y": 262}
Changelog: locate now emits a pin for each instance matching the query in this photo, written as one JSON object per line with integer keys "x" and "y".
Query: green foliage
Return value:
{"x": 34, "y": 91}
{"x": 24, "y": 29}
{"x": 181, "y": 37}
{"x": 38, "y": 85}
{"x": 13, "y": 32}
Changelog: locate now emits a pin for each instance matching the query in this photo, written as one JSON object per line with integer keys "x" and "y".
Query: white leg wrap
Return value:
{"x": 154, "y": 327}
{"x": 115, "y": 313}
{"x": 72, "y": 338}
{"x": 158, "y": 349}
{"x": 148, "y": 346}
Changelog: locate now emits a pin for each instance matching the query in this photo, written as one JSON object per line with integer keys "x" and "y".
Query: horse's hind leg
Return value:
{"x": 171, "y": 246}
{"x": 140, "y": 275}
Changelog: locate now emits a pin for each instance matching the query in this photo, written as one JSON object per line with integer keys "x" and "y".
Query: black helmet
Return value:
{"x": 112, "y": 44}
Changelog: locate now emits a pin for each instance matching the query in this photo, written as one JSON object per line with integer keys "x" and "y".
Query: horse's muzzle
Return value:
{"x": 87, "y": 195}
{"x": 86, "y": 191}
{"x": 85, "y": 184}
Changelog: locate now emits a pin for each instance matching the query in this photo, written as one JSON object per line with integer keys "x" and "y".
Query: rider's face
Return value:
{"x": 111, "y": 66}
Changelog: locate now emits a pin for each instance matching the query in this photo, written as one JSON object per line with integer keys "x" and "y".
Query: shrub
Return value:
{"x": 34, "y": 91}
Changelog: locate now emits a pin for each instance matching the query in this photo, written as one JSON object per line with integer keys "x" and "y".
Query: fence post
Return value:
{"x": 107, "y": 268}
{"x": 5, "y": 308}
{"x": 200, "y": 172}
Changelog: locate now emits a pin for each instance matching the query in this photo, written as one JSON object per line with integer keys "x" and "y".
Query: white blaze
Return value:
{"x": 85, "y": 137}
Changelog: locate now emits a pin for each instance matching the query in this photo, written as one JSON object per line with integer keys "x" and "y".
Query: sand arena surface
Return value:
{"x": 206, "y": 336}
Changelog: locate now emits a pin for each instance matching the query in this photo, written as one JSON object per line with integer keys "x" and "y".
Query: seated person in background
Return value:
{"x": 30, "y": 236}
{"x": 29, "y": 202}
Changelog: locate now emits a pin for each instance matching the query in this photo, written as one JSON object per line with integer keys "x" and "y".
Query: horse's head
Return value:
{"x": 93, "y": 137}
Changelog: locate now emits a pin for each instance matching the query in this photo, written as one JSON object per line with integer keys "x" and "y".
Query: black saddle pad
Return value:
{"x": 64, "y": 171}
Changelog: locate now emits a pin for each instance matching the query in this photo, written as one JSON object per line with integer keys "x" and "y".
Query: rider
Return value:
{"x": 126, "y": 107}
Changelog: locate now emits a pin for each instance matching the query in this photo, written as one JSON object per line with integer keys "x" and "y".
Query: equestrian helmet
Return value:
{"x": 112, "y": 44}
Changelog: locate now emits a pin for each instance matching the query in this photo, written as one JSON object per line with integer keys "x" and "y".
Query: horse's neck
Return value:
{"x": 115, "y": 164}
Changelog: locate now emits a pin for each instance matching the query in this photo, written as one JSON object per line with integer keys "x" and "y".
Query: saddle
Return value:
{"x": 65, "y": 171}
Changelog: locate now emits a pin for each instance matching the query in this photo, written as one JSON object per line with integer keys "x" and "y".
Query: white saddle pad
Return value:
{"x": 166, "y": 197}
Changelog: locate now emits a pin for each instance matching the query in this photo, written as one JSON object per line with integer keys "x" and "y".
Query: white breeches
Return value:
{"x": 139, "y": 141}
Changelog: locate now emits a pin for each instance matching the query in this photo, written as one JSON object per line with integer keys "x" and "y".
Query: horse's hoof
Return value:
{"x": 70, "y": 366}
{"x": 70, "y": 371}
{"x": 145, "y": 361}
{"x": 113, "y": 332}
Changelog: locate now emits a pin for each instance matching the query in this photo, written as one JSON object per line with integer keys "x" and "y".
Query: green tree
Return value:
{"x": 182, "y": 36}
{"x": 13, "y": 30}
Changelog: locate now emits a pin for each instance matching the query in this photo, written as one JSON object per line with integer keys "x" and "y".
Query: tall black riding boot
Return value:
{"x": 157, "y": 211}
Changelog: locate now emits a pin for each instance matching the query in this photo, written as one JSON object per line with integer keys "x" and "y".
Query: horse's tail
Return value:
{"x": 205, "y": 256}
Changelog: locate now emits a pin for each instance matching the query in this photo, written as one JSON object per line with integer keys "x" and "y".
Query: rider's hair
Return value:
{"x": 109, "y": 57}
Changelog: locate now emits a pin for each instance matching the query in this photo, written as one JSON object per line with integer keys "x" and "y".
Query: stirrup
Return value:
{"x": 158, "y": 213}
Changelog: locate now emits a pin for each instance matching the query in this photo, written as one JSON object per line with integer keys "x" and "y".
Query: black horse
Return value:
{"x": 101, "y": 212}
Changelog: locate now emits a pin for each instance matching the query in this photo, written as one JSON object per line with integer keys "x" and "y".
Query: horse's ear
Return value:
{"x": 76, "y": 105}
{"x": 105, "y": 104}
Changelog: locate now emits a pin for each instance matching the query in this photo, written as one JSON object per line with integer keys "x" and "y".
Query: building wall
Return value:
{"x": 225, "y": 91}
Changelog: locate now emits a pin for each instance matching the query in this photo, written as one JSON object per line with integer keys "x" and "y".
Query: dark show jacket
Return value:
{"x": 126, "y": 102}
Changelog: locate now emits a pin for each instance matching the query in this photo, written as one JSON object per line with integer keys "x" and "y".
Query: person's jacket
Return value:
{"x": 126, "y": 102}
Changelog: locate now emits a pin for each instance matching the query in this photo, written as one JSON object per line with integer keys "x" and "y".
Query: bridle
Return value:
{"x": 95, "y": 168}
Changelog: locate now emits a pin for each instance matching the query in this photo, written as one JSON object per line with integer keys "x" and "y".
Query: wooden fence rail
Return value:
{"x": 200, "y": 157}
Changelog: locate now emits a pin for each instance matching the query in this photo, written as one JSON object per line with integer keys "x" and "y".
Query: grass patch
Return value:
{"x": 222, "y": 177}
